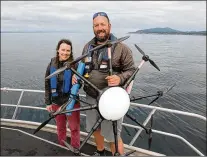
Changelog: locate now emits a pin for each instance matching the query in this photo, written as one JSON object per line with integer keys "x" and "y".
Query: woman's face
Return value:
{"x": 64, "y": 51}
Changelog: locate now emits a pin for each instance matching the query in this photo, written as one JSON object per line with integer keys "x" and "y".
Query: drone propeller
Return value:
{"x": 52, "y": 115}
{"x": 147, "y": 57}
{"x": 58, "y": 112}
{"x": 169, "y": 88}
{"x": 109, "y": 43}
{"x": 139, "y": 98}
{"x": 43, "y": 124}
{"x": 160, "y": 93}
{"x": 56, "y": 72}
{"x": 66, "y": 66}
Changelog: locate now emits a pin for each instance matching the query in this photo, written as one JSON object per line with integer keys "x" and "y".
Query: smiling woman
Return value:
{"x": 57, "y": 92}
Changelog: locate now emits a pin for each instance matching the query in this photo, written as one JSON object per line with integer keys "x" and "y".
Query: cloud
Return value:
{"x": 124, "y": 16}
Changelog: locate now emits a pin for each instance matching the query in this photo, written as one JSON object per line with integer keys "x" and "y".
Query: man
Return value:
{"x": 123, "y": 67}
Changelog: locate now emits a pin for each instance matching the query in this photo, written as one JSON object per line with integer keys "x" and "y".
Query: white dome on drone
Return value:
{"x": 114, "y": 103}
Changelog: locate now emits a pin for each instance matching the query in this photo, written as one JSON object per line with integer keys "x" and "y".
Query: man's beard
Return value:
{"x": 102, "y": 39}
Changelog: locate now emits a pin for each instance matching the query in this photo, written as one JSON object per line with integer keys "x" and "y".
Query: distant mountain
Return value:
{"x": 39, "y": 31}
{"x": 167, "y": 30}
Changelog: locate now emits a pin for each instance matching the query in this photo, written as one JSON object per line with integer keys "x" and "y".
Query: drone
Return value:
{"x": 109, "y": 107}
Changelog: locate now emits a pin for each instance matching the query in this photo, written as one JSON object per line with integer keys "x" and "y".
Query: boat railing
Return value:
{"x": 153, "y": 108}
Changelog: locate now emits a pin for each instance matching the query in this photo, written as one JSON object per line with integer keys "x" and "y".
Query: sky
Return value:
{"x": 125, "y": 16}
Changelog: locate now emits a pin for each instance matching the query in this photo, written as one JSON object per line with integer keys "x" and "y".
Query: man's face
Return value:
{"x": 101, "y": 28}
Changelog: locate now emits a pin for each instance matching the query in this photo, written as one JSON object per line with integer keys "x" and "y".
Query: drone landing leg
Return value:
{"x": 77, "y": 150}
{"x": 148, "y": 130}
{"x": 116, "y": 142}
{"x": 96, "y": 125}
{"x": 115, "y": 138}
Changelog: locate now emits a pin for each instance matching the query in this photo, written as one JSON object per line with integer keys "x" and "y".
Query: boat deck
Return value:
{"x": 16, "y": 143}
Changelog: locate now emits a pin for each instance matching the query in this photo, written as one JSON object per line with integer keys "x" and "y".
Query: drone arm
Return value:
{"x": 66, "y": 66}
{"x": 77, "y": 60}
{"x": 134, "y": 99}
{"x": 110, "y": 63}
{"x": 154, "y": 100}
{"x": 51, "y": 117}
{"x": 128, "y": 65}
{"x": 96, "y": 125}
{"x": 98, "y": 47}
{"x": 114, "y": 123}
{"x": 134, "y": 120}
{"x": 77, "y": 150}
{"x": 74, "y": 97}
{"x": 63, "y": 107}
{"x": 78, "y": 109}
{"x": 131, "y": 78}
{"x": 110, "y": 43}
{"x": 159, "y": 94}
{"x": 133, "y": 75}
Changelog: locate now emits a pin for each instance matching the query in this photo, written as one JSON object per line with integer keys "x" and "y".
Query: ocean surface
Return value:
{"x": 181, "y": 59}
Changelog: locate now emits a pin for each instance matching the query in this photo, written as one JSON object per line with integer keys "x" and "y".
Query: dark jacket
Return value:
{"x": 122, "y": 59}
{"x": 62, "y": 98}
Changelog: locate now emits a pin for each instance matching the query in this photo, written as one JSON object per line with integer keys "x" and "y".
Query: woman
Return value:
{"x": 57, "y": 93}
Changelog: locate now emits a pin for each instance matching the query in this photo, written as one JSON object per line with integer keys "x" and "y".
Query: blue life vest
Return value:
{"x": 66, "y": 82}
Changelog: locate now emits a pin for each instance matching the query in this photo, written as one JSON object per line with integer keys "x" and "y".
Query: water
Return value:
{"x": 182, "y": 59}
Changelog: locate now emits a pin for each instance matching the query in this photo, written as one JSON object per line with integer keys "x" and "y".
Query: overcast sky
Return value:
{"x": 124, "y": 16}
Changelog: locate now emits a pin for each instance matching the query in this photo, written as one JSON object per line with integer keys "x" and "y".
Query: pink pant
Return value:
{"x": 74, "y": 125}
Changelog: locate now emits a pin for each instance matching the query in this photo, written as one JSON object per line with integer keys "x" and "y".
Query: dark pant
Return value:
{"x": 74, "y": 125}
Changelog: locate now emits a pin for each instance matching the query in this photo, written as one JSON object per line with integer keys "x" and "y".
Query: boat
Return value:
{"x": 17, "y": 138}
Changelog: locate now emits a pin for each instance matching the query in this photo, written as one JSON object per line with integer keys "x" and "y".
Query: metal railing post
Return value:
{"x": 16, "y": 109}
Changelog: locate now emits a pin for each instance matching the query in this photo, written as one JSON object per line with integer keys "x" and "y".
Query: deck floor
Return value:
{"x": 15, "y": 143}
